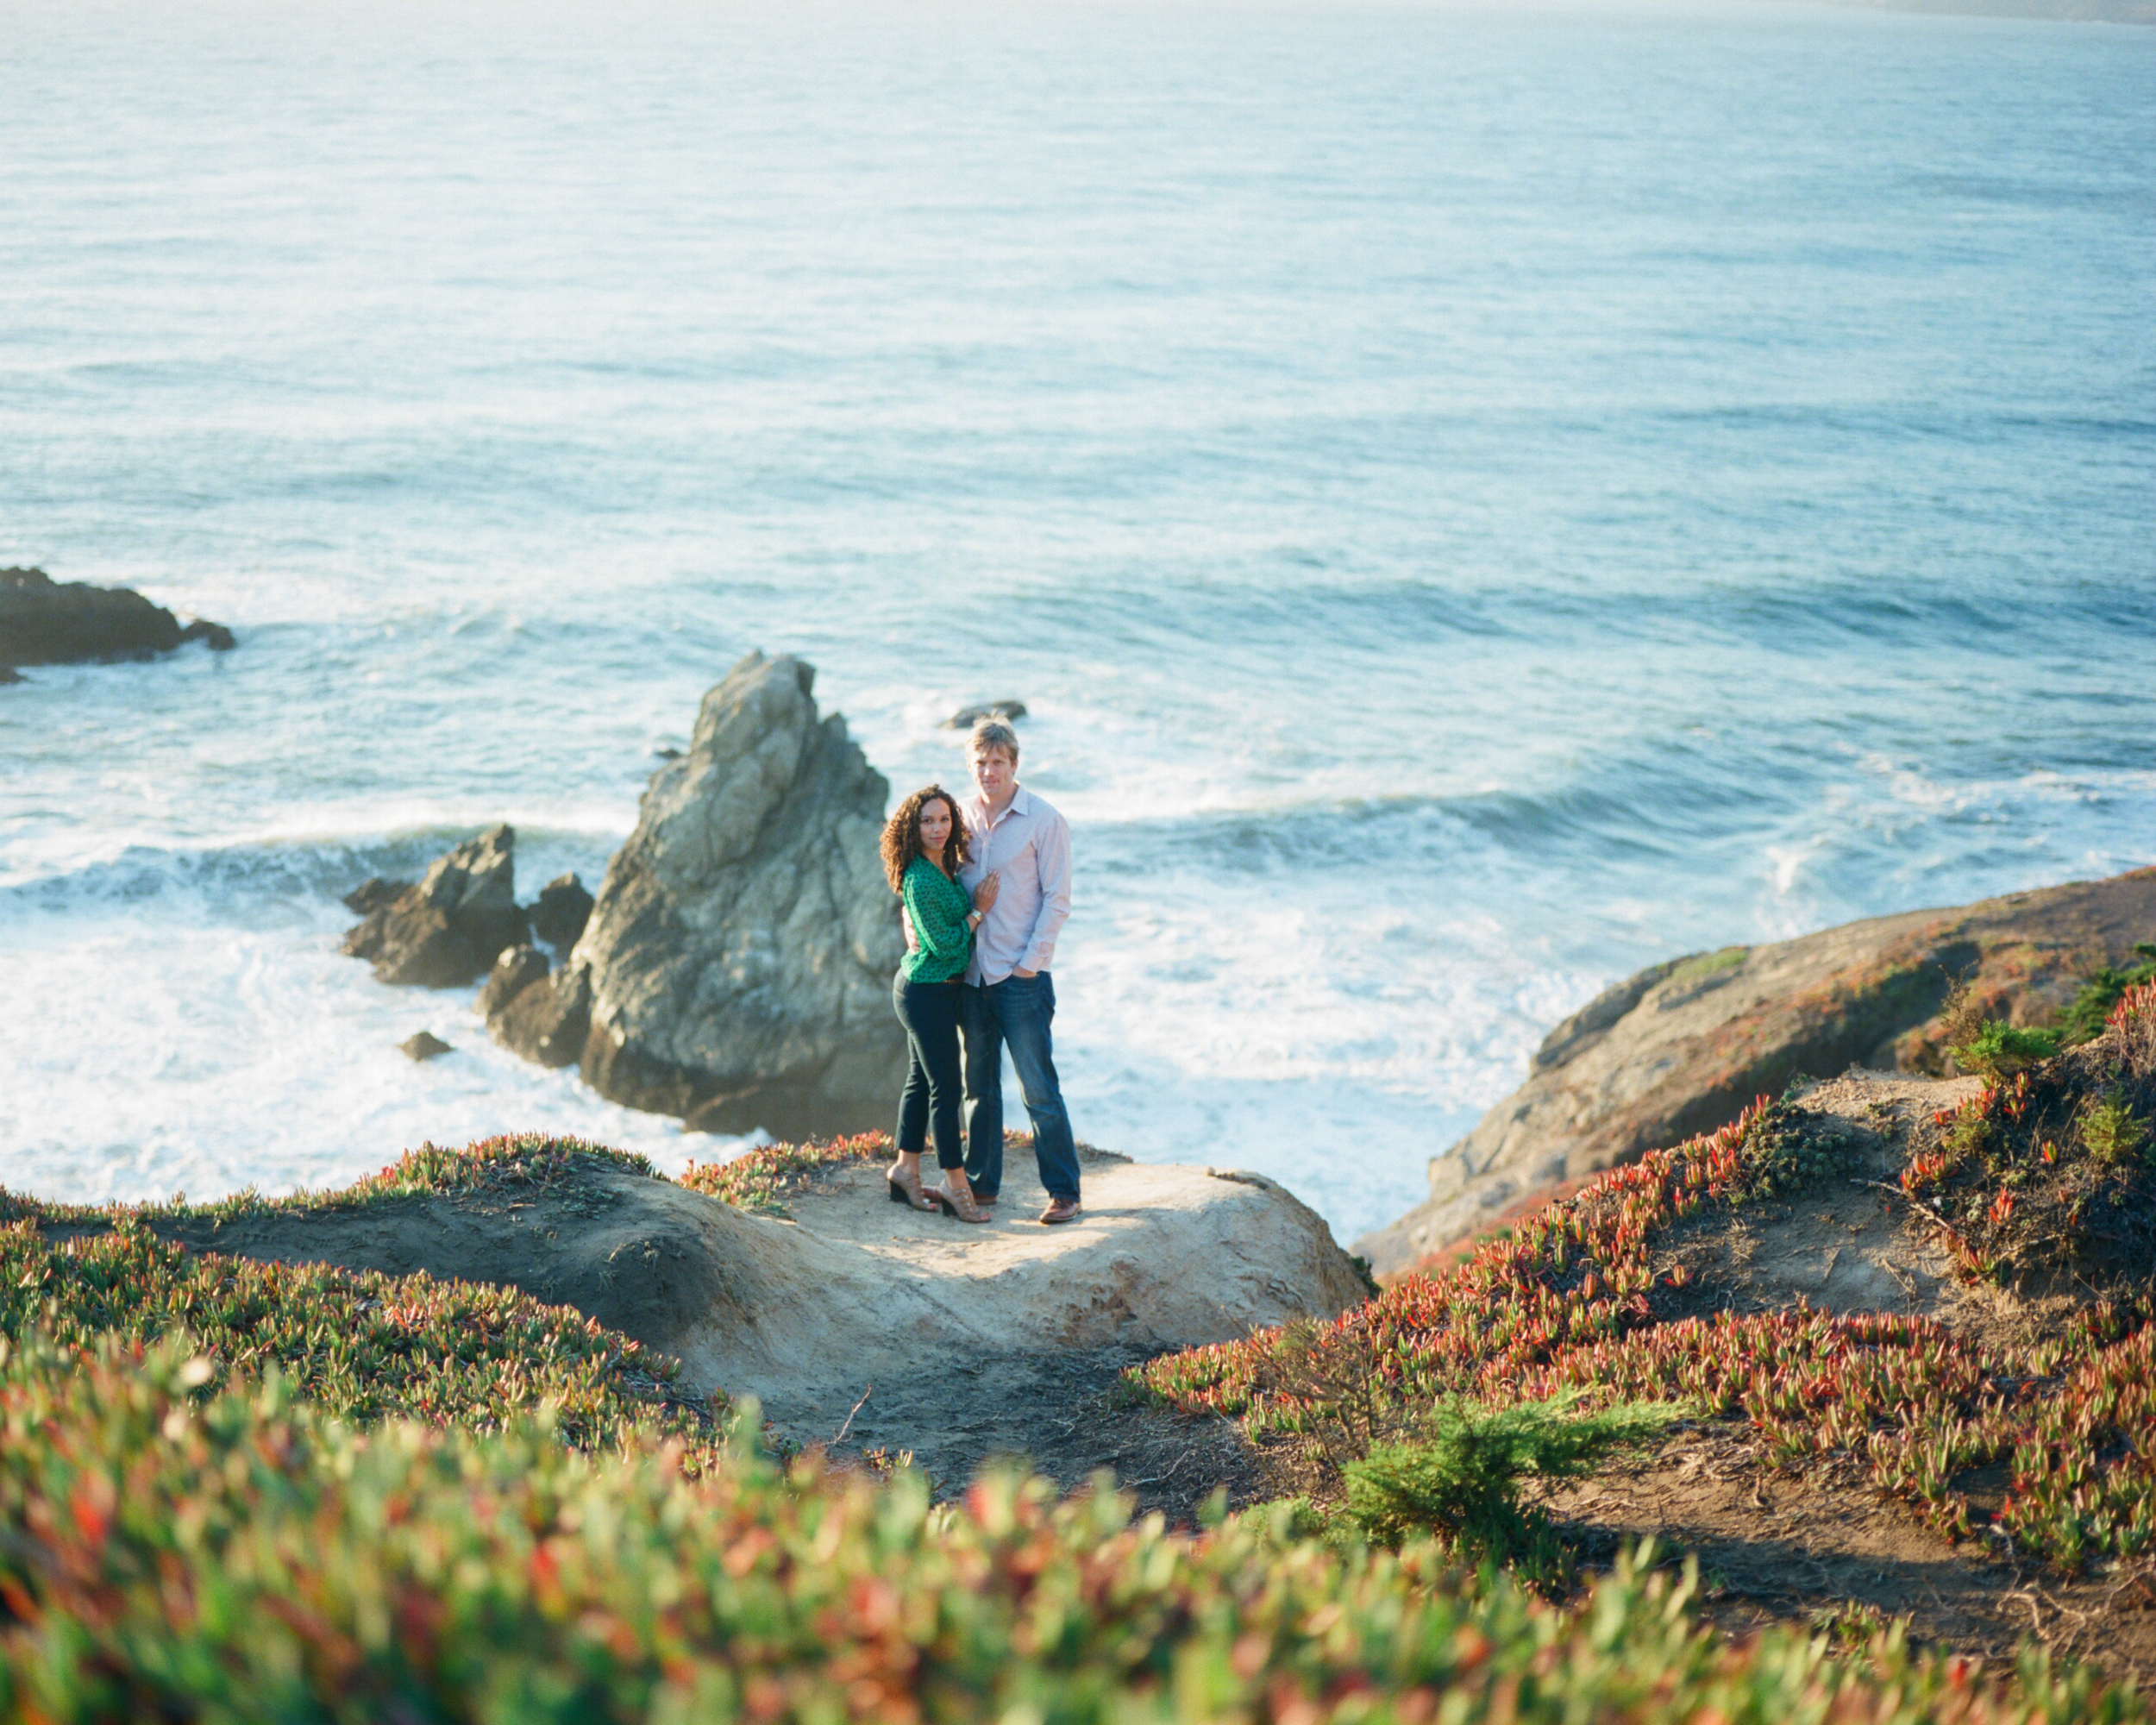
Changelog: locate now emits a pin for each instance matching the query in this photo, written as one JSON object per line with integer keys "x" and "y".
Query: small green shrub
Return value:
{"x": 1707, "y": 964}
{"x": 1787, "y": 1149}
{"x": 2083, "y": 1020}
{"x": 1849, "y": 1626}
{"x": 1969, "y": 1135}
{"x": 2112, "y": 1132}
{"x": 1459, "y": 1478}
{"x": 1999, "y": 1050}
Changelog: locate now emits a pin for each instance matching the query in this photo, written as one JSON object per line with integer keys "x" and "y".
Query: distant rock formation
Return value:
{"x": 967, "y": 717}
{"x": 528, "y": 1015}
{"x": 446, "y": 931}
{"x": 737, "y": 968}
{"x": 45, "y": 622}
{"x": 1683, "y": 1045}
{"x": 560, "y": 911}
{"x": 374, "y": 892}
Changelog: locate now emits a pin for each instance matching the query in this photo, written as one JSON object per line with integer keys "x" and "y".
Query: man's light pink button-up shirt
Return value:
{"x": 1028, "y": 844}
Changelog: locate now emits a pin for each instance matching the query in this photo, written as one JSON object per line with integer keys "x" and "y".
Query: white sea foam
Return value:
{"x": 174, "y": 1051}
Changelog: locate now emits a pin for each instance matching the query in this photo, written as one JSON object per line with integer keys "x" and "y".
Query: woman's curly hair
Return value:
{"x": 902, "y": 836}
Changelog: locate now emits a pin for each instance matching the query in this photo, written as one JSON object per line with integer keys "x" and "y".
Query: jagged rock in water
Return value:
{"x": 515, "y": 970}
{"x": 424, "y": 1046}
{"x": 547, "y": 1021}
{"x": 371, "y": 893}
{"x": 446, "y": 931}
{"x": 738, "y": 965}
{"x": 45, "y": 622}
{"x": 967, "y": 717}
{"x": 528, "y": 1015}
{"x": 559, "y": 913}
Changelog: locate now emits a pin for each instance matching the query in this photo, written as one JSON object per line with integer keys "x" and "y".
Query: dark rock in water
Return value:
{"x": 371, "y": 893}
{"x": 214, "y": 635}
{"x": 737, "y": 966}
{"x": 446, "y": 931}
{"x": 547, "y": 1019}
{"x": 424, "y": 1046}
{"x": 967, "y": 717}
{"x": 10, "y": 675}
{"x": 516, "y": 970}
{"x": 564, "y": 906}
{"x": 45, "y": 622}
{"x": 668, "y": 753}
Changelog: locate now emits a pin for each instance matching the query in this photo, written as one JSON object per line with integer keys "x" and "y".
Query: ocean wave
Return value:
{"x": 239, "y": 882}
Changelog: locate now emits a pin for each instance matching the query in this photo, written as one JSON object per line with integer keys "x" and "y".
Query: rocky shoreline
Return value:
{"x": 45, "y": 622}
{"x": 1868, "y": 1271}
{"x": 1683, "y": 1045}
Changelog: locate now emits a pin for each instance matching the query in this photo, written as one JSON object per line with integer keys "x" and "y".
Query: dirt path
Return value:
{"x": 1031, "y": 1327}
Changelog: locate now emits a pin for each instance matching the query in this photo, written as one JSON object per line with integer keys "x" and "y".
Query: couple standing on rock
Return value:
{"x": 985, "y": 882}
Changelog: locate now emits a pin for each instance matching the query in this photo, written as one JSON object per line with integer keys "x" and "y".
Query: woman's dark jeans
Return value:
{"x": 934, "y": 1081}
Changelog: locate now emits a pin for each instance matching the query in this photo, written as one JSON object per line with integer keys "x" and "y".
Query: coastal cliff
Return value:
{"x": 1682, "y": 1045}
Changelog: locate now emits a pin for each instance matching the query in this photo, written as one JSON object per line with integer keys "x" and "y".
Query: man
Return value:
{"x": 1009, "y": 996}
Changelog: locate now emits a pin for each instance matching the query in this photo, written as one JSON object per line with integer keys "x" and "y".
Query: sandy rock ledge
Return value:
{"x": 956, "y": 1326}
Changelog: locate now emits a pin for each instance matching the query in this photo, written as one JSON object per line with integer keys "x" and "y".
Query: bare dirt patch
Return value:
{"x": 1805, "y": 1548}
{"x": 1845, "y": 1242}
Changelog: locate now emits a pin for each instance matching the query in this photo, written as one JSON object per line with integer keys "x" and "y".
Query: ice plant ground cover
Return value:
{"x": 363, "y": 1346}
{"x": 178, "y": 1551}
{"x": 510, "y": 1160}
{"x": 242, "y": 1490}
{"x": 2044, "y": 1183}
{"x": 761, "y": 1178}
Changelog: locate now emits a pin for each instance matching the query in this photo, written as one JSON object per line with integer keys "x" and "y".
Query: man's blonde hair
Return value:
{"x": 990, "y": 735}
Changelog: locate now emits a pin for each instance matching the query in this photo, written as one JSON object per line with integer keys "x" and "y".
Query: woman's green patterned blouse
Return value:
{"x": 937, "y": 907}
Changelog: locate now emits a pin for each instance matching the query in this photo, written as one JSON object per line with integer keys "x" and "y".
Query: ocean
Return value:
{"x": 1475, "y": 500}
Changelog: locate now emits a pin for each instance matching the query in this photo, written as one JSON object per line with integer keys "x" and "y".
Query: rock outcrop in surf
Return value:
{"x": 1682, "y": 1047}
{"x": 736, "y": 968}
{"x": 45, "y": 622}
{"x": 446, "y": 931}
{"x": 560, "y": 911}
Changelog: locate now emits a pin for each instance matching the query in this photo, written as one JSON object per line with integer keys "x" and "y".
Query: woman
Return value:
{"x": 923, "y": 848}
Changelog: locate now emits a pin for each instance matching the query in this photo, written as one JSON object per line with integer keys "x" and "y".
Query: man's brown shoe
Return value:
{"x": 1061, "y": 1210}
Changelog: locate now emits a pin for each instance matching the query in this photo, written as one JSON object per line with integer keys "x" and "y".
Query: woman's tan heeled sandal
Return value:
{"x": 959, "y": 1204}
{"x": 905, "y": 1188}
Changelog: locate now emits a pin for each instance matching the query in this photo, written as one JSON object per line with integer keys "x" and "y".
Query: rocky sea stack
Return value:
{"x": 736, "y": 968}
{"x": 45, "y": 622}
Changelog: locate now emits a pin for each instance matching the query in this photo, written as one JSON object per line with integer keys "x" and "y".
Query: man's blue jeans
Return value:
{"x": 1016, "y": 1010}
